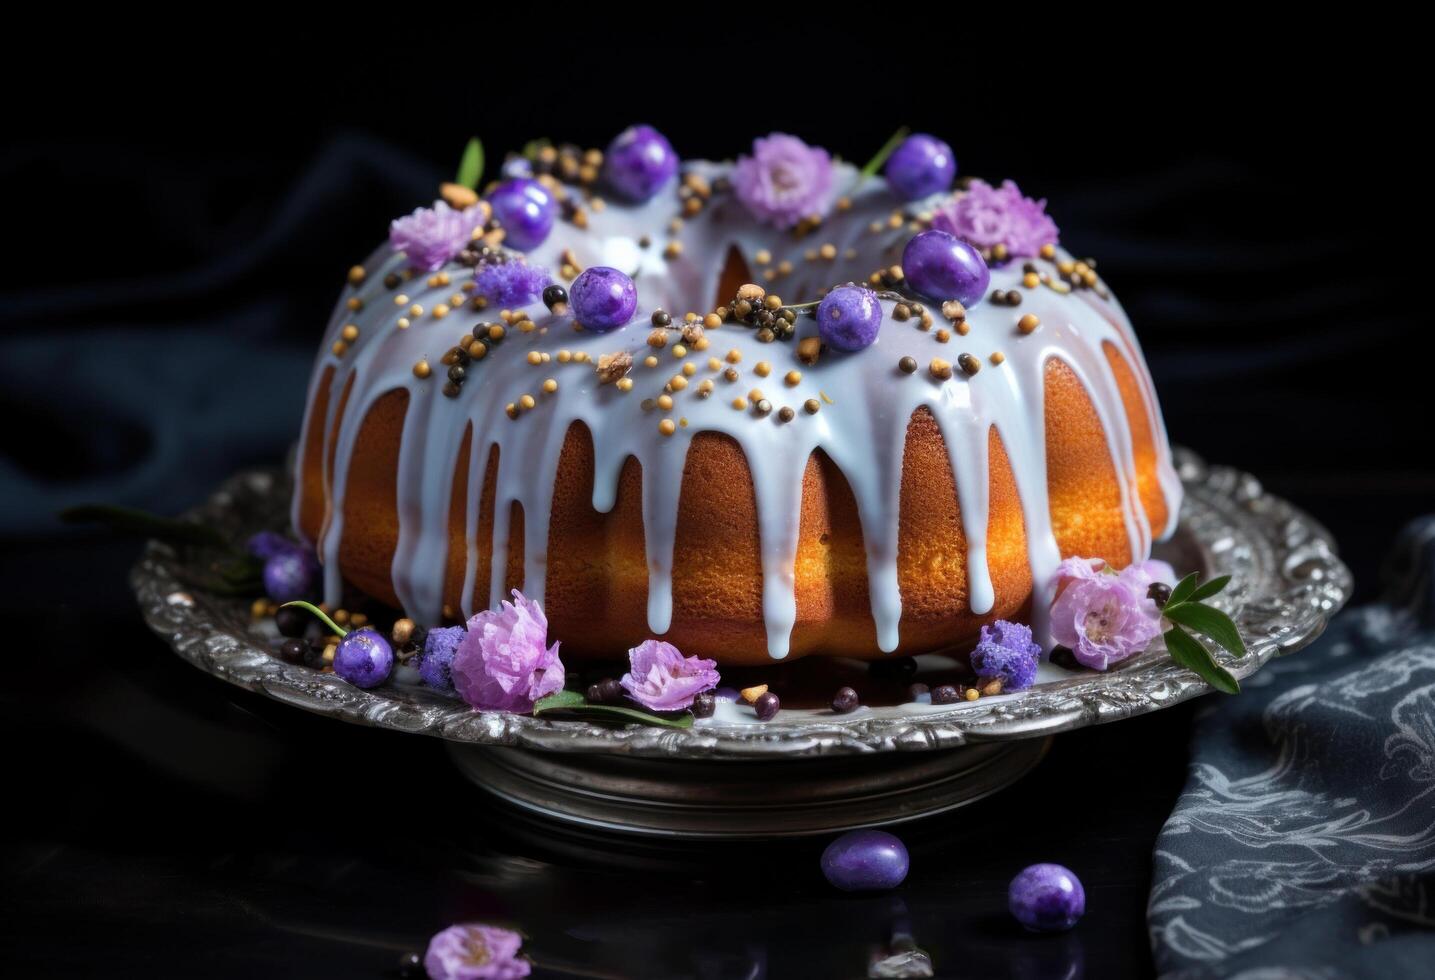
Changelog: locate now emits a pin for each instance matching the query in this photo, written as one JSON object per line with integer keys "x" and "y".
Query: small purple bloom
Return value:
{"x": 510, "y": 284}
{"x": 1099, "y": 615}
{"x": 921, "y": 166}
{"x": 364, "y": 658}
{"x": 985, "y": 215}
{"x": 475, "y": 952}
{"x": 431, "y": 236}
{"x": 784, "y": 180}
{"x": 661, "y": 679}
{"x": 1007, "y": 651}
{"x": 436, "y": 661}
{"x": 503, "y": 662}
{"x": 849, "y": 317}
{"x": 639, "y": 161}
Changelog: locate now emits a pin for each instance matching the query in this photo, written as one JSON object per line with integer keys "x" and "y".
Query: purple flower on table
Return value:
{"x": 436, "y": 660}
{"x": 784, "y": 180}
{"x": 510, "y": 283}
{"x": 503, "y": 662}
{"x": 475, "y": 952}
{"x": 660, "y": 678}
{"x": 985, "y": 216}
{"x": 1008, "y": 652}
{"x": 431, "y": 236}
{"x": 1100, "y": 616}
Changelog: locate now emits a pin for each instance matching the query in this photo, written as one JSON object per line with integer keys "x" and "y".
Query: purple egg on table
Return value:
{"x": 289, "y": 575}
{"x": 866, "y": 860}
{"x": 1046, "y": 898}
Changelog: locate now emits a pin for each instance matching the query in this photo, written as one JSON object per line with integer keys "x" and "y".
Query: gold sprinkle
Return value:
{"x": 416, "y": 310}
{"x": 690, "y": 369}
{"x": 403, "y": 323}
{"x": 667, "y": 427}
{"x": 357, "y": 274}
{"x": 714, "y": 364}
{"x": 665, "y": 402}
{"x": 527, "y": 401}
{"x": 941, "y": 370}
{"x": 734, "y": 356}
{"x": 401, "y": 299}
{"x": 997, "y": 357}
{"x": 496, "y": 331}
{"x": 793, "y": 378}
{"x": 512, "y": 410}
{"x": 1048, "y": 251}
{"x": 422, "y": 369}
{"x": 679, "y": 350}
{"x": 677, "y": 382}
{"x": 762, "y": 369}
{"x": 624, "y": 384}
{"x": 534, "y": 357}
{"x": 564, "y": 356}
{"x": 762, "y": 257}
{"x": 355, "y": 304}
{"x": 650, "y": 361}
{"x": 672, "y": 250}
{"x": 1028, "y": 323}
{"x": 943, "y": 335}
{"x": 828, "y": 252}
{"x": 1031, "y": 280}
{"x": 739, "y": 403}
{"x": 712, "y": 321}
{"x": 550, "y": 386}
{"x": 339, "y": 348}
{"x": 350, "y": 333}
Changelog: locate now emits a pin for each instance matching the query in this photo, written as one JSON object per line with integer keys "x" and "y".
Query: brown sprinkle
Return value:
{"x": 969, "y": 364}
{"x": 812, "y": 406}
{"x": 786, "y": 414}
{"x": 908, "y": 365}
{"x": 941, "y": 370}
{"x": 356, "y": 275}
{"x": 954, "y": 311}
{"x": 808, "y": 349}
{"x": 997, "y": 357}
{"x": 1028, "y": 323}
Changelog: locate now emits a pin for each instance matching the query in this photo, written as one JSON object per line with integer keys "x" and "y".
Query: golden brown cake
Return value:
{"x": 744, "y": 496}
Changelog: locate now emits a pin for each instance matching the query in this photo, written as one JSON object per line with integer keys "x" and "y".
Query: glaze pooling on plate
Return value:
{"x": 866, "y": 403}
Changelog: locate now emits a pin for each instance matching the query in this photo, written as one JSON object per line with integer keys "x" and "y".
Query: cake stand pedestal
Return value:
{"x": 736, "y": 799}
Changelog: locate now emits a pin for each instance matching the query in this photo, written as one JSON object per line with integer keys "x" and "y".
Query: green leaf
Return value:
{"x": 470, "y": 167}
{"x": 888, "y": 148}
{"x": 574, "y": 703}
{"x": 1210, "y": 588}
{"x": 1214, "y": 623}
{"x": 1187, "y": 651}
{"x": 1183, "y": 590}
{"x": 127, "y": 520}
{"x": 323, "y": 616}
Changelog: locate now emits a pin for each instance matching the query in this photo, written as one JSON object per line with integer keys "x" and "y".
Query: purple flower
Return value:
{"x": 503, "y": 662}
{"x": 1100, "y": 615}
{"x": 431, "y": 236}
{"x": 662, "y": 679}
{"x": 985, "y": 216}
{"x": 436, "y": 661}
{"x": 475, "y": 952}
{"x": 511, "y": 283}
{"x": 784, "y": 180}
{"x": 1007, "y": 651}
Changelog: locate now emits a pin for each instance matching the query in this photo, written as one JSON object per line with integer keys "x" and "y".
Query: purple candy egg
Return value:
{"x": 603, "y": 298}
{"x": 942, "y": 267}
{"x": 639, "y": 161}
{"x": 1046, "y": 898}
{"x": 289, "y": 575}
{"x": 866, "y": 860}
{"x": 921, "y": 166}
{"x": 525, "y": 210}
{"x": 364, "y": 658}
{"x": 848, "y": 318}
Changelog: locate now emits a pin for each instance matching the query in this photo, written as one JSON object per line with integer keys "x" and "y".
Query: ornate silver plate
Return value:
{"x": 1286, "y": 582}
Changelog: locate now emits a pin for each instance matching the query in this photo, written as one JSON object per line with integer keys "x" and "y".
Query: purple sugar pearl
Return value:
{"x": 289, "y": 575}
{"x": 848, "y": 318}
{"x": 942, "y": 267}
{"x": 1046, "y": 898}
{"x": 923, "y": 165}
{"x": 603, "y": 298}
{"x": 436, "y": 664}
{"x": 639, "y": 161}
{"x": 525, "y": 210}
{"x": 364, "y": 658}
{"x": 866, "y": 860}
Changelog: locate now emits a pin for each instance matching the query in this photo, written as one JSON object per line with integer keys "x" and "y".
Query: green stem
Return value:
{"x": 888, "y": 148}
{"x": 323, "y": 616}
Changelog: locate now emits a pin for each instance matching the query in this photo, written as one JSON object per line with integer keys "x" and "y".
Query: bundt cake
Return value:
{"x": 681, "y": 445}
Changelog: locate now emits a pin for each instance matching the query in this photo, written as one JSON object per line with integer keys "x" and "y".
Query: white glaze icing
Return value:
{"x": 867, "y": 404}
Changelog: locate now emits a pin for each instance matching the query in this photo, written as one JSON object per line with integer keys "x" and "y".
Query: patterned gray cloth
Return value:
{"x": 1304, "y": 842}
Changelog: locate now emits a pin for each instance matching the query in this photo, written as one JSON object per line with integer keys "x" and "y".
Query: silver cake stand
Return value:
{"x": 808, "y": 771}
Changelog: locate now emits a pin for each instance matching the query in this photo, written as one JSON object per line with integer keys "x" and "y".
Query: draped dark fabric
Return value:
{"x": 1304, "y": 842}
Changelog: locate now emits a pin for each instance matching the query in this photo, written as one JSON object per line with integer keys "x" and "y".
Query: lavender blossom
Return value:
{"x": 503, "y": 662}
{"x": 660, "y": 678}
{"x": 431, "y": 236}
{"x": 784, "y": 180}
{"x": 986, "y": 216}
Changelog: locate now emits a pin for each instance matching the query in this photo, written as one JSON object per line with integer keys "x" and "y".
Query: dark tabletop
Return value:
{"x": 164, "y": 823}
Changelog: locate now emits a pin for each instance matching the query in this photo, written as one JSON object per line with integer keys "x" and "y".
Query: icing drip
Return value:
{"x": 862, "y": 425}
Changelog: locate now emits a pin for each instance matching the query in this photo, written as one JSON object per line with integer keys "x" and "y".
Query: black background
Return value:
{"x": 179, "y": 217}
